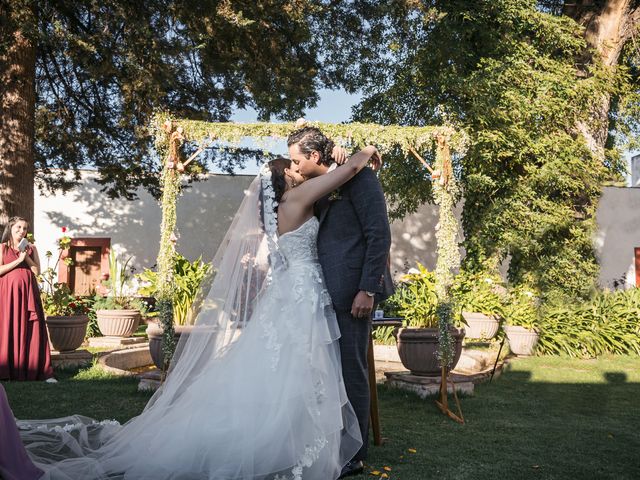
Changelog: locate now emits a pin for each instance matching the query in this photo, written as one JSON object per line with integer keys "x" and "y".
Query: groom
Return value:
{"x": 353, "y": 248}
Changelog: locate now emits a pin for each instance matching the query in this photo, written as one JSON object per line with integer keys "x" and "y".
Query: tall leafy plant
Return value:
{"x": 119, "y": 295}
{"x": 607, "y": 323}
{"x": 188, "y": 278}
{"x": 415, "y": 298}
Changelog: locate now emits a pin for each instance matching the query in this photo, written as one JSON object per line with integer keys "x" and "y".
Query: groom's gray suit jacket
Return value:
{"x": 354, "y": 240}
{"x": 353, "y": 248}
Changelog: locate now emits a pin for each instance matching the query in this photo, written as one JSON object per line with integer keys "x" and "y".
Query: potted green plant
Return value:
{"x": 65, "y": 314}
{"x": 418, "y": 339}
{"x": 479, "y": 301}
{"x": 118, "y": 313}
{"x": 521, "y": 315}
{"x": 188, "y": 278}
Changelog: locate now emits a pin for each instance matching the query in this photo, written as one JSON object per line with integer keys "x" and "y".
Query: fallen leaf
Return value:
{"x": 384, "y": 475}
{"x": 411, "y": 450}
{"x": 388, "y": 469}
{"x": 375, "y": 472}
{"x": 535, "y": 467}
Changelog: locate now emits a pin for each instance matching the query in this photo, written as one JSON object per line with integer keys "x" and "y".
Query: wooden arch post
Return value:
{"x": 444, "y": 189}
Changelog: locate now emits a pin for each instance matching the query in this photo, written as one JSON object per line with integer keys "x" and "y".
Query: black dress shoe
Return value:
{"x": 354, "y": 467}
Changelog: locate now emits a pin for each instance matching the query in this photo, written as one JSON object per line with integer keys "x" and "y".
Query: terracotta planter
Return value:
{"x": 522, "y": 341}
{"x": 154, "y": 332}
{"x": 66, "y": 333}
{"x": 118, "y": 323}
{"x": 417, "y": 348}
{"x": 480, "y": 325}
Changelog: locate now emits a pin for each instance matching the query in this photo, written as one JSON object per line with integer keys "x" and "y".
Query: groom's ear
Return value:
{"x": 315, "y": 157}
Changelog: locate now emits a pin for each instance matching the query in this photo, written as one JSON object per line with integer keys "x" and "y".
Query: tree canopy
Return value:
{"x": 534, "y": 85}
{"x": 102, "y": 69}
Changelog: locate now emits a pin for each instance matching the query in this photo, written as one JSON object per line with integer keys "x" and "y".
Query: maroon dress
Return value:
{"x": 14, "y": 461}
{"x": 24, "y": 343}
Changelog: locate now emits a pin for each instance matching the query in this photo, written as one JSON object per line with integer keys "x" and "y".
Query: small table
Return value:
{"x": 373, "y": 388}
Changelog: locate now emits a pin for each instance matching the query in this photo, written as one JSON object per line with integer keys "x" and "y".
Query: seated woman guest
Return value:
{"x": 24, "y": 343}
{"x": 14, "y": 462}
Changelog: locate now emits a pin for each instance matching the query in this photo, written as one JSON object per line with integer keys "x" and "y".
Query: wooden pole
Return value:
{"x": 373, "y": 390}
{"x": 443, "y": 402}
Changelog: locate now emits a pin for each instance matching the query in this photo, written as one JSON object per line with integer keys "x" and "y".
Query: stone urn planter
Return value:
{"x": 480, "y": 325}
{"x": 418, "y": 347}
{"x": 66, "y": 333}
{"x": 154, "y": 332}
{"x": 522, "y": 341}
{"x": 118, "y": 323}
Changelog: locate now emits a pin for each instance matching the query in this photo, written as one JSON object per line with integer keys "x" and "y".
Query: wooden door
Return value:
{"x": 85, "y": 273}
{"x": 637, "y": 264}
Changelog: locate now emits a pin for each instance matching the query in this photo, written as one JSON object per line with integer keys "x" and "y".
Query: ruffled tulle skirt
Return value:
{"x": 270, "y": 406}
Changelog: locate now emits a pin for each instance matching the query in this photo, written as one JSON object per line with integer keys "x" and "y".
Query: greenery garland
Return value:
{"x": 171, "y": 183}
{"x": 385, "y": 137}
{"x": 445, "y": 192}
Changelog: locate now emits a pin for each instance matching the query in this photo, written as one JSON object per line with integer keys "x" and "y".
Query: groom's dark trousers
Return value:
{"x": 353, "y": 248}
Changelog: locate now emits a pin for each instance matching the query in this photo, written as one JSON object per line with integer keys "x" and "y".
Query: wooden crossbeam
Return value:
{"x": 422, "y": 160}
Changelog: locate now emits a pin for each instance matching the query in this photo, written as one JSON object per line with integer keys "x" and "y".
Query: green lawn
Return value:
{"x": 544, "y": 418}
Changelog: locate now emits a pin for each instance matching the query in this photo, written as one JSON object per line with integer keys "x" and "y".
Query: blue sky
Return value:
{"x": 334, "y": 106}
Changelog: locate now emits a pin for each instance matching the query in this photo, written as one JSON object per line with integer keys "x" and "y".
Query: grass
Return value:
{"x": 90, "y": 392}
{"x": 544, "y": 418}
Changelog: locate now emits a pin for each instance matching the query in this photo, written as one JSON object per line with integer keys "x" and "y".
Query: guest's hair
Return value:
{"x": 277, "y": 167}
{"x": 310, "y": 139}
{"x": 6, "y": 235}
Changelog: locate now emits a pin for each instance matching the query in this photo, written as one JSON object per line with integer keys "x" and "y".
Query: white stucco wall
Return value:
{"x": 206, "y": 208}
{"x": 618, "y": 234}
{"x": 413, "y": 239}
{"x": 204, "y": 213}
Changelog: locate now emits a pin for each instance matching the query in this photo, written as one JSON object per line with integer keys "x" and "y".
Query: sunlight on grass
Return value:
{"x": 543, "y": 418}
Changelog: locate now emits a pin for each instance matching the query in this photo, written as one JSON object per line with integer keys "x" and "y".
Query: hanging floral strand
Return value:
{"x": 445, "y": 191}
{"x": 170, "y": 191}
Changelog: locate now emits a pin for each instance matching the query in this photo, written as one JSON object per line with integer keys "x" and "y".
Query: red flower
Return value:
{"x": 64, "y": 229}
{"x": 72, "y": 304}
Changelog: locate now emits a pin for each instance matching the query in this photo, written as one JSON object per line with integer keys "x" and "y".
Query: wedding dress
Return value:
{"x": 254, "y": 392}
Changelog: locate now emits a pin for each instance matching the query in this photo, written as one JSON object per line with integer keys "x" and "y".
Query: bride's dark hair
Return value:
{"x": 310, "y": 139}
{"x": 277, "y": 167}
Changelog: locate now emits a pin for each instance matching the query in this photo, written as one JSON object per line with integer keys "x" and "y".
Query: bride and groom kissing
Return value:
{"x": 272, "y": 383}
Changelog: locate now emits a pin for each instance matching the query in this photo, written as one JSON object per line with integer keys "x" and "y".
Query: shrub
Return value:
{"x": 608, "y": 323}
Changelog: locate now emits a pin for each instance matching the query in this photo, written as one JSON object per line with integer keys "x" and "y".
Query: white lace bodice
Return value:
{"x": 299, "y": 246}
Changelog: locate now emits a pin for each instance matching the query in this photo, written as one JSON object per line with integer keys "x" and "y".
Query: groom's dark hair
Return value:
{"x": 311, "y": 139}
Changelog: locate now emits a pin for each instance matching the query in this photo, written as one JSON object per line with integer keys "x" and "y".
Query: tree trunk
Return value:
{"x": 17, "y": 128}
{"x": 608, "y": 26}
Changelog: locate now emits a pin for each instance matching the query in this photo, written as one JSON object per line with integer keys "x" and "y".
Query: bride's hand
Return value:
{"x": 339, "y": 155}
{"x": 376, "y": 161}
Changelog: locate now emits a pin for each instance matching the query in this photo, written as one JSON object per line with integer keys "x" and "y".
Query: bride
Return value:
{"x": 255, "y": 391}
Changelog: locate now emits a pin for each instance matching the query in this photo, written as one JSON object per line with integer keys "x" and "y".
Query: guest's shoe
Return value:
{"x": 354, "y": 467}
